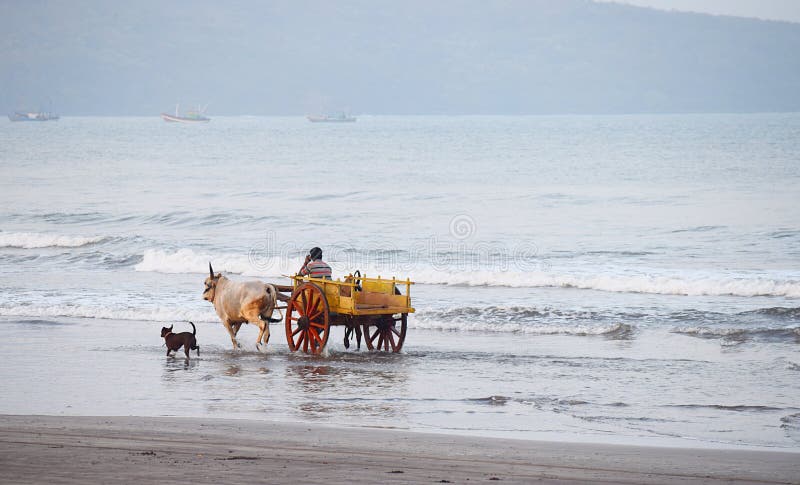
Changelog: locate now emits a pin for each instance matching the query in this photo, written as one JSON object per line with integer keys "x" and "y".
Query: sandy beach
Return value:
{"x": 86, "y": 450}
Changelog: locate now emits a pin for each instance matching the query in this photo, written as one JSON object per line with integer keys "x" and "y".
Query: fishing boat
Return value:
{"x": 196, "y": 115}
{"x": 340, "y": 117}
{"x": 33, "y": 116}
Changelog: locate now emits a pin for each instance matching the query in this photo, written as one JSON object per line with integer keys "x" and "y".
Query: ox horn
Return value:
{"x": 210, "y": 269}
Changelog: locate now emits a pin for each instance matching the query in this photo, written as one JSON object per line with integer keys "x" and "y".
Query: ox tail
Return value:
{"x": 194, "y": 329}
{"x": 272, "y": 298}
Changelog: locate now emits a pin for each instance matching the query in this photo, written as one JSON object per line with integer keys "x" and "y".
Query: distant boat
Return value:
{"x": 192, "y": 116}
{"x": 33, "y": 116}
{"x": 331, "y": 118}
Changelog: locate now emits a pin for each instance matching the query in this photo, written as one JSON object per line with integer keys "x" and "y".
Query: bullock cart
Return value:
{"x": 376, "y": 307}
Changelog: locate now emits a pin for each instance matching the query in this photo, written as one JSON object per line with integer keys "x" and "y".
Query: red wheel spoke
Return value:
{"x": 313, "y": 303}
{"x": 306, "y": 321}
{"x": 314, "y": 335}
{"x": 372, "y": 338}
{"x": 394, "y": 331}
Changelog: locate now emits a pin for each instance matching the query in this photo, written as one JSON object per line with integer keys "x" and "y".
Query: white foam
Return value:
{"x": 477, "y": 325}
{"x": 620, "y": 283}
{"x": 631, "y": 280}
{"x": 32, "y": 240}
{"x": 159, "y": 314}
{"x": 189, "y": 261}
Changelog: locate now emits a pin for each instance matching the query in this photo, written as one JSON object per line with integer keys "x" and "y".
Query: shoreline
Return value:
{"x": 559, "y": 388}
{"x": 92, "y": 449}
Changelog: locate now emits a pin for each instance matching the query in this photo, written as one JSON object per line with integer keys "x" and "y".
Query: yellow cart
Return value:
{"x": 378, "y": 307}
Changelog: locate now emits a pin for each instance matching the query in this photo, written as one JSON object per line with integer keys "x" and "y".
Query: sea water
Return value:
{"x": 627, "y": 279}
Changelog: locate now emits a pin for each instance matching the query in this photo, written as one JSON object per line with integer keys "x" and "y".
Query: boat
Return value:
{"x": 340, "y": 117}
{"x": 196, "y": 115}
{"x": 33, "y": 116}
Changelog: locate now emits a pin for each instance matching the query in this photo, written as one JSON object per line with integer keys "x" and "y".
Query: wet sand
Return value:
{"x": 88, "y": 450}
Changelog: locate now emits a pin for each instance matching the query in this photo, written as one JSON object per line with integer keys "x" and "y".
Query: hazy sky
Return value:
{"x": 788, "y": 10}
{"x": 289, "y": 57}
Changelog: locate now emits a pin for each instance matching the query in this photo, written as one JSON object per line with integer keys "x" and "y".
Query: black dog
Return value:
{"x": 174, "y": 341}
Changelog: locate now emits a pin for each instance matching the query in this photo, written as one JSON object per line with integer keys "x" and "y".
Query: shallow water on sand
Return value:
{"x": 556, "y": 387}
{"x": 606, "y": 278}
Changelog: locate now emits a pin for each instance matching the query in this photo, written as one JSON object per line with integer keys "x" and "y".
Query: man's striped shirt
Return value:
{"x": 316, "y": 269}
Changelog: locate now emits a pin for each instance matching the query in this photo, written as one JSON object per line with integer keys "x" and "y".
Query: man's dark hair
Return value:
{"x": 315, "y": 253}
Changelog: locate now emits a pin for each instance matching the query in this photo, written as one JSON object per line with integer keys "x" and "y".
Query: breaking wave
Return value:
{"x": 791, "y": 426}
{"x": 631, "y": 283}
{"x": 190, "y": 261}
{"x": 33, "y": 240}
{"x": 159, "y": 314}
{"x": 486, "y": 322}
{"x": 776, "y": 312}
{"x": 742, "y": 334}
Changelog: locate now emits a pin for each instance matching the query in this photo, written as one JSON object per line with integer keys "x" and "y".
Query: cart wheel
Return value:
{"x": 307, "y": 319}
{"x": 388, "y": 333}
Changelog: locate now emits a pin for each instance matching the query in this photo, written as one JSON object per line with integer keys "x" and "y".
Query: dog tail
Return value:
{"x": 194, "y": 329}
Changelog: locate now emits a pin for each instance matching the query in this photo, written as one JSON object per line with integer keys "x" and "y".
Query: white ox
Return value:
{"x": 237, "y": 303}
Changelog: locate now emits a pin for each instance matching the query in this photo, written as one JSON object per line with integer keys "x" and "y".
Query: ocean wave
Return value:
{"x": 69, "y": 217}
{"x": 169, "y": 218}
{"x": 190, "y": 261}
{"x": 776, "y": 312}
{"x": 697, "y": 229}
{"x": 500, "y": 317}
{"x": 33, "y": 240}
{"x": 742, "y": 334}
{"x": 253, "y": 264}
{"x": 159, "y": 314}
{"x": 791, "y": 426}
{"x": 433, "y": 321}
{"x": 728, "y": 407}
{"x": 194, "y": 219}
{"x": 631, "y": 283}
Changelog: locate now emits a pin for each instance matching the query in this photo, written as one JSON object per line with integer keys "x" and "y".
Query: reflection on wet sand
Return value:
{"x": 232, "y": 370}
{"x": 343, "y": 388}
{"x": 172, "y": 366}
